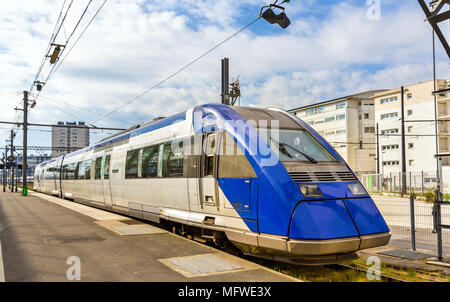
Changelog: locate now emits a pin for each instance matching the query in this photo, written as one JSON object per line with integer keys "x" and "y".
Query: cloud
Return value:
{"x": 330, "y": 50}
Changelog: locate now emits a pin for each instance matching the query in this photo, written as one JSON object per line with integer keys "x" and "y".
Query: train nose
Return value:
{"x": 328, "y": 219}
{"x": 338, "y": 226}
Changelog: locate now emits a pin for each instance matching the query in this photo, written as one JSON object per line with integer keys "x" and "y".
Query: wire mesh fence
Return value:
{"x": 397, "y": 213}
{"x": 421, "y": 183}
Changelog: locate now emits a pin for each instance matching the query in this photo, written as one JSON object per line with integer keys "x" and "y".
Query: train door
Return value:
{"x": 106, "y": 182}
{"x": 208, "y": 182}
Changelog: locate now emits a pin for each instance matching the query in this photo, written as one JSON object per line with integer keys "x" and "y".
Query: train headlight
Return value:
{"x": 310, "y": 190}
{"x": 357, "y": 189}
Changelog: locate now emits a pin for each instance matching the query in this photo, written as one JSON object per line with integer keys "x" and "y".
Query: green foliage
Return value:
{"x": 429, "y": 196}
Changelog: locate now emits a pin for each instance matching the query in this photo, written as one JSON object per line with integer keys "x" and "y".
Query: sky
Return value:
{"x": 331, "y": 49}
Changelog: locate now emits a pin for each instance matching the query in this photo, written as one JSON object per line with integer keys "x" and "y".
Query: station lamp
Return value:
{"x": 270, "y": 16}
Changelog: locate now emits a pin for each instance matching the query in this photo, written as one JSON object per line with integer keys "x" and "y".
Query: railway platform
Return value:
{"x": 44, "y": 238}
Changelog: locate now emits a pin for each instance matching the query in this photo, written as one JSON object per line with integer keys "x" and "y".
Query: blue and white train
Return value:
{"x": 200, "y": 173}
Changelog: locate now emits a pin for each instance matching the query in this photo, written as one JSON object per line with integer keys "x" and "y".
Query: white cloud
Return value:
{"x": 132, "y": 45}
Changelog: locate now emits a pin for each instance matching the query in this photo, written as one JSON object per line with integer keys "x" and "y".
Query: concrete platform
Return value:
{"x": 40, "y": 236}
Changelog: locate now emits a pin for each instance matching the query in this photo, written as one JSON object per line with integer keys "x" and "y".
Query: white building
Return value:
{"x": 420, "y": 142}
{"x": 68, "y": 138}
{"x": 348, "y": 125}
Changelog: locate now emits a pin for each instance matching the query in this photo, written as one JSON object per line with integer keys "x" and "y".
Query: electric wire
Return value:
{"x": 177, "y": 72}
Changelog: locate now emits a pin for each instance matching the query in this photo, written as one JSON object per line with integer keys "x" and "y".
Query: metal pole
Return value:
{"x": 225, "y": 81}
{"x": 413, "y": 224}
{"x": 24, "y": 152}
{"x": 12, "y": 167}
{"x": 378, "y": 152}
{"x": 422, "y": 184}
{"x": 403, "y": 143}
{"x": 4, "y": 168}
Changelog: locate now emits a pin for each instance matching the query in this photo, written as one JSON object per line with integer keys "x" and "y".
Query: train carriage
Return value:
{"x": 259, "y": 178}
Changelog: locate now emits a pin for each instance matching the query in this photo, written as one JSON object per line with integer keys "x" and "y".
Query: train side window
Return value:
{"x": 131, "y": 164}
{"x": 209, "y": 154}
{"x": 87, "y": 170}
{"x": 98, "y": 168}
{"x": 75, "y": 173}
{"x": 71, "y": 171}
{"x": 173, "y": 159}
{"x": 150, "y": 157}
{"x": 81, "y": 170}
{"x": 106, "y": 167}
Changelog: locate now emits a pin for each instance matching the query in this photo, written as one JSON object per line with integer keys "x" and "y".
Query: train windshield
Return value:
{"x": 295, "y": 145}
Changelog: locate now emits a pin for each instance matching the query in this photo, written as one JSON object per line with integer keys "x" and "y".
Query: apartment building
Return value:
{"x": 348, "y": 124}
{"x": 68, "y": 138}
{"x": 420, "y": 142}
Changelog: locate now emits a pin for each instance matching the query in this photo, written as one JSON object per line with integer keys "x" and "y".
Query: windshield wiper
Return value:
{"x": 282, "y": 147}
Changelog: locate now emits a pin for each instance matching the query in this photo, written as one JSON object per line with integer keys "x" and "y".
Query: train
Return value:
{"x": 258, "y": 179}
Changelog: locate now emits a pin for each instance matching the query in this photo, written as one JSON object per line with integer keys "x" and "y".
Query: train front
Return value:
{"x": 312, "y": 209}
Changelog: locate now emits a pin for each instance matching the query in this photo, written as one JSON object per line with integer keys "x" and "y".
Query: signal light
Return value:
{"x": 281, "y": 19}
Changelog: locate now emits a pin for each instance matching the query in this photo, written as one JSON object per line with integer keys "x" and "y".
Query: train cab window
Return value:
{"x": 98, "y": 168}
{"x": 150, "y": 157}
{"x": 172, "y": 165}
{"x": 106, "y": 167}
{"x": 132, "y": 164}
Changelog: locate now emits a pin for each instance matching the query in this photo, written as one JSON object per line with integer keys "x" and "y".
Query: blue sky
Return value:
{"x": 331, "y": 49}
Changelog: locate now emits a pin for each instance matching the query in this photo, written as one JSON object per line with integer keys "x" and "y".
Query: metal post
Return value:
{"x": 413, "y": 224}
{"x": 378, "y": 152}
{"x": 410, "y": 187}
{"x": 4, "y": 168}
{"x": 403, "y": 142}
{"x": 422, "y": 185}
{"x": 24, "y": 152}
{"x": 12, "y": 167}
{"x": 225, "y": 81}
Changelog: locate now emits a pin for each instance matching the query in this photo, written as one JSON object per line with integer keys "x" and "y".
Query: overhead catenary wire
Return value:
{"x": 178, "y": 71}
{"x": 56, "y": 66}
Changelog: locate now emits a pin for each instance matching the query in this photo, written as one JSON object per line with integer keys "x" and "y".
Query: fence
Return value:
{"x": 417, "y": 183}
{"x": 397, "y": 213}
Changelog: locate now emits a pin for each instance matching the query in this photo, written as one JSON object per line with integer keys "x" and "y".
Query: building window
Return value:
{"x": 315, "y": 110}
{"x": 410, "y": 145}
{"x": 388, "y": 100}
{"x": 410, "y": 128}
{"x": 410, "y": 112}
{"x": 389, "y": 147}
{"x": 411, "y": 162}
{"x": 319, "y": 122}
{"x": 369, "y": 129}
{"x": 340, "y": 117}
{"x": 366, "y": 116}
{"x": 391, "y": 163}
{"x": 389, "y": 131}
{"x": 341, "y": 105}
{"x": 310, "y": 122}
{"x": 330, "y": 133}
{"x": 409, "y": 96}
{"x": 389, "y": 115}
{"x": 340, "y": 132}
{"x": 329, "y": 119}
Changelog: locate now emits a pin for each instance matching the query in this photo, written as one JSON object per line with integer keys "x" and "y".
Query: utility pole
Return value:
{"x": 225, "y": 81}
{"x": 378, "y": 152}
{"x": 403, "y": 142}
{"x": 24, "y": 152}
{"x": 4, "y": 168}
{"x": 12, "y": 166}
